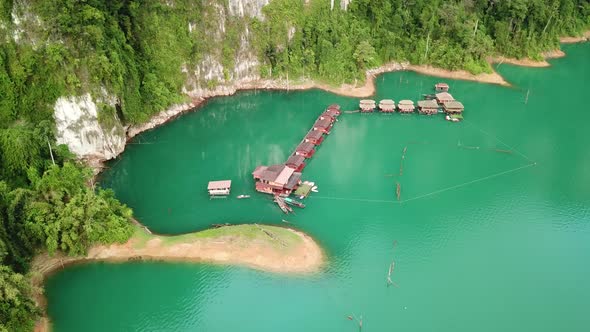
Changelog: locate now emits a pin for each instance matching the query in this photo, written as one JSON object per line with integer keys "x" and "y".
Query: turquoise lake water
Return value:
{"x": 482, "y": 240}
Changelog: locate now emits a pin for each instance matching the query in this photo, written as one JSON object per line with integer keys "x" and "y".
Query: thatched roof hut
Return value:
{"x": 453, "y": 106}
{"x": 443, "y": 97}
{"x": 387, "y": 105}
{"x": 367, "y": 105}
{"x": 406, "y": 106}
{"x": 427, "y": 107}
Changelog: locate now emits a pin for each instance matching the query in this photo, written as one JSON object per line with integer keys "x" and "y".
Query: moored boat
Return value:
{"x": 294, "y": 202}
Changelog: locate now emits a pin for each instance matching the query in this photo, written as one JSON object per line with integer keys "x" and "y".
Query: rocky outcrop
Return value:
{"x": 25, "y": 25}
{"x": 77, "y": 117}
{"x": 78, "y": 126}
{"x": 249, "y": 8}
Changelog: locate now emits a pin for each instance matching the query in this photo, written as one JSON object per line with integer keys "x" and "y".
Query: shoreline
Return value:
{"x": 261, "y": 247}
{"x": 198, "y": 97}
{"x": 572, "y": 40}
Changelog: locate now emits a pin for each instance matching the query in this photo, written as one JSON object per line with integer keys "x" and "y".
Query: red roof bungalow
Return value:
{"x": 328, "y": 116}
{"x": 315, "y": 137}
{"x": 333, "y": 112}
{"x": 305, "y": 149}
{"x": 276, "y": 179}
{"x": 323, "y": 125}
{"x": 296, "y": 162}
{"x": 334, "y": 109}
{"x": 444, "y": 97}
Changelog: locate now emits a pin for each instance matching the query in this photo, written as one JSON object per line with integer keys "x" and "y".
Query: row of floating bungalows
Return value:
{"x": 283, "y": 179}
{"x": 387, "y": 106}
{"x": 442, "y": 100}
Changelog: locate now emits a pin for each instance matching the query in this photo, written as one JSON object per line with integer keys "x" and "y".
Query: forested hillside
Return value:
{"x": 337, "y": 46}
{"x": 136, "y": 58}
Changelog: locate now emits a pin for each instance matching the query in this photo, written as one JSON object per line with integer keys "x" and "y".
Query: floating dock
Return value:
{"x": 281, "y": 180}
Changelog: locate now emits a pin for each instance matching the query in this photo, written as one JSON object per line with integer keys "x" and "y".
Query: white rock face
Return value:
{"x": 344, "y": 4}
{"x": 76, "y": 119}
{"x": 26, "y": 26}
{"x": 249, "y": 8}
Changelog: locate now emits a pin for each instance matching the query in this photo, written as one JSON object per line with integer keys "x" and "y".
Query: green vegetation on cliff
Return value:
{"x": 337, "y": 46}
{"x": 54, "y": 210}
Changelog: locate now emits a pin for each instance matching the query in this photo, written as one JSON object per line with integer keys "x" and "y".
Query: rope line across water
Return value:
{"x": 430, "y": 193}
{"x": 499, "y": 140}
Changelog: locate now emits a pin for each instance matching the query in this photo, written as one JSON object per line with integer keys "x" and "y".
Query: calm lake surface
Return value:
{"x": 482, "y": 240}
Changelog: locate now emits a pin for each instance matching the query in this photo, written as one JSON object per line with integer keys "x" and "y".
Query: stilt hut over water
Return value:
{"x": 387, "y": 106}
{"x": 367, "y": 105}
{"x": 453, "y": 107}
{"x": 315, "y": 137}
{"x": 296, "y": 162}
{"x": 219, "y": 188}
{"x": 332, "y": 112}
{"x": 444, "y": 97}
{"x": 323, "y": 126}
{"x": 305, "y": 149}
{"x": 334, "y": 109}
{"x": 328, "y": 116}
{"x": 406, "y": 106}
{"x": 441, "y": 87}
{"x": 276, "y": 179}
{"x": 427, "y": 107}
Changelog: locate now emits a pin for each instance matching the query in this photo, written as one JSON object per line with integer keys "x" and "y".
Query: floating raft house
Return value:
{"x": 219, "y": 188}
{"x": 387, "y": 106}
{"x": 334, "y": 110}
{"x": 305, "y": 149}
{"x": 428, "y": 107}
{"x": 453, "y": 107}
{"x": 444, "y": 97}
{"x": 441, "y": 87}
{"x": 323, "y": 126}
{"x": 367, "y": 105}
{"x": 276, "y": 179}
{"x": 315, "y": 137}
{"x": 327, "y": 116}
{"x": 406, "y": 106}
{"x": 296, "y": 162}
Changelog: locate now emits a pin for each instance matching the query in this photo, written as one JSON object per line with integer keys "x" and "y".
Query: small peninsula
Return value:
{"x": 262, "y": 247}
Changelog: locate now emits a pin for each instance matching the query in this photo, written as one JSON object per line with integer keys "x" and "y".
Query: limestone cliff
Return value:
{"x": 82, "y": 123}
{"x": 78, "y": 126}
{"x": 77, "y": 117}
